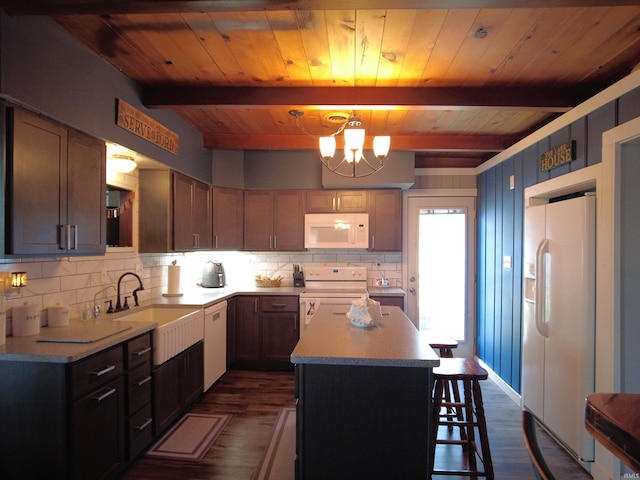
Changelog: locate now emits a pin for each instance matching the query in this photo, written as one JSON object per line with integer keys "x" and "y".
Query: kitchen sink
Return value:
{"x": 178, "y": 328}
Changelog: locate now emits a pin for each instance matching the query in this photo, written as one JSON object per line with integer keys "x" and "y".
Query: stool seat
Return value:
{"x": 460, "y": 369}
{"x": 444, "y": 345}
{"x": 468, "y": 415}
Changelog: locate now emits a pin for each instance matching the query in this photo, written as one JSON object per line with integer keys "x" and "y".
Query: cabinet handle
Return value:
{"x": 195, "y": 240}
{"x": 278, "y": 305}
{"x": 333, "y": 203}
{"x": 215, "y": 316}
{"x": 144, "y": 351}
{"x": 75, "y": 237}
{"x": 275, "y": 242}
{"x": 146, "y": 423}
{"x": 215, "y": 241}
{"x": 255, "y": 306}
{"x": 105, "y": 395}
{"x": 338, "y": 203}
{"x": 270, "y": 242}
{"x": 373, "y": 241}
{"x": 143, "y": 381}
{"x": 295, "y": 323}
{"x": 104, "y": 371}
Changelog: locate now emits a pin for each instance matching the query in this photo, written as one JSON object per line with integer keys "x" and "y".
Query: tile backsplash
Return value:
{"x": 78, "y": 281}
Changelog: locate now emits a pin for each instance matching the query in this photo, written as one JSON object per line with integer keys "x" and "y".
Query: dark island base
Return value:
{"x": 362, "y": 422}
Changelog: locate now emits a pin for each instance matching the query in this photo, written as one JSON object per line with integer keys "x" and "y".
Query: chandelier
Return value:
{"x": 351, "y": 162}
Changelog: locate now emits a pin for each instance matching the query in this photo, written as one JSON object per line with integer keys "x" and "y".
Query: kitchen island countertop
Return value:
{"x": 331, "y": 339}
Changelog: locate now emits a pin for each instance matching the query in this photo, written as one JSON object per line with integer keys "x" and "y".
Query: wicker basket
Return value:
{"x": 274, "y": 282}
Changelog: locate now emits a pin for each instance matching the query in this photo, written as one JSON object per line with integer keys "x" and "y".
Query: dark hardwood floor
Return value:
{"x": 254, "y": 398}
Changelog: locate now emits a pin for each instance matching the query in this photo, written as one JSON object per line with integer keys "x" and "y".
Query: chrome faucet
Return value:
{"x": 96, "y": 307}
{"x": 125, "y": 306}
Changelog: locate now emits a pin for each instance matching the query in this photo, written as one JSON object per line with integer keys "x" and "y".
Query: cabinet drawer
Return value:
{"x": 139, "y": 384}
{"x": 139, "y": 352}
{"x": 140, "y": 431}
{"x": 94, "y": 371}
{"x": 279, "y": 304}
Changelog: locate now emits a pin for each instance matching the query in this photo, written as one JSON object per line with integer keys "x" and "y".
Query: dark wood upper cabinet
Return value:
{"x": 329, "y": 201}
{"x": 175, "y": 212}
{"x": 227, "y": 208}
{"x": 274, "y": 220}
{"x": 385, "y": 220}
{"x": 56, "y": 189}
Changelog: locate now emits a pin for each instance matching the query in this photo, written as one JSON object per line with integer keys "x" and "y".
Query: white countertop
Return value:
{"x": 330, "y": 339}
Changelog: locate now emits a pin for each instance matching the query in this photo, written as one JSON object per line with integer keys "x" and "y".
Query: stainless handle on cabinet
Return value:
{"x": 75, "y": 237}
{"x": 333, "y": 203}
{"x": 215, "y": 316}
{"x": 104, "y": 371}
{"x": 255, "y": 306}
{"x": 278, "y": 305}
{"x": 338, "y": 203}
{"x": 373, "y": 241}
{"x": 195, "y": 240}
{"x": 139, "y": 353}
{"x": 143, "y": 381}
{"x": 275, "y": 242}
{"x": 412, "y": 291}
{"x": 146, "y": 423}
{"x": 105, "y": 395}
{"x": 295, "y": 323}
{"x": 270, "y": 241}
{"x": 215, "y": 241}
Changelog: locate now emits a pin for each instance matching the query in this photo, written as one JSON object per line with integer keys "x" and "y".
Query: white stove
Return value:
{"x": 335, "y": 287}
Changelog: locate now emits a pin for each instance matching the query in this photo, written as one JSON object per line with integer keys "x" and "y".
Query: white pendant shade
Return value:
{"x": 353, "y": 138}
{"x": 327, "y": 147}
{"x": 381, "y": 146}
{"x": 122, "y": 163}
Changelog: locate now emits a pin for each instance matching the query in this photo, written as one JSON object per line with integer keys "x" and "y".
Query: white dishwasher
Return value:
{"x": 215, "y": 343}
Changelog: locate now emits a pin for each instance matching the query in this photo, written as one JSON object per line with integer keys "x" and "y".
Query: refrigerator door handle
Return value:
{"x": 541, "y": 281}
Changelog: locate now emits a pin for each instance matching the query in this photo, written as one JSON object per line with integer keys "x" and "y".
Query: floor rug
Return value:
{"x": 278, "y": 462}
{"x": 190, "y": 438}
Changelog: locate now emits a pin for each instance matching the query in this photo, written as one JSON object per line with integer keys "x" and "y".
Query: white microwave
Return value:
{"x": 336, "y": 230}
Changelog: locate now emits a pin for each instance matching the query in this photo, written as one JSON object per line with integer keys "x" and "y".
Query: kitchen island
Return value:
{"x": 364, "y": 399}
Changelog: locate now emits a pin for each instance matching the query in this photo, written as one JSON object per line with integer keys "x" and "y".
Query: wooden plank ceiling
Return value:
{"x": 454, "y": 81}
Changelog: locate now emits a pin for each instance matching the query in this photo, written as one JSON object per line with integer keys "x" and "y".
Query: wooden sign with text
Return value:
{"x": 557, "y": 156}
{"x": 132, "y": 119}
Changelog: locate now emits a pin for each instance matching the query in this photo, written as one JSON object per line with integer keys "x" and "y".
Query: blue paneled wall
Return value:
{"x": 500, "y": 230}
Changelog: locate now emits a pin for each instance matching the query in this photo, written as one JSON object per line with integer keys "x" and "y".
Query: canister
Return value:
{"x": 25, "y": 320}
{"x": 58, "y": 315}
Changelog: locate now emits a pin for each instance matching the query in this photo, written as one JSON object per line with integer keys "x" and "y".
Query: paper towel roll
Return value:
{"x": 26, "y": 320}
{"x": 174, "y": 280}
{"x": 58, "y": 315}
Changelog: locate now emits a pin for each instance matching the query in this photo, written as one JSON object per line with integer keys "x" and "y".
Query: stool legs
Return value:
{"x": 472, "y": 411}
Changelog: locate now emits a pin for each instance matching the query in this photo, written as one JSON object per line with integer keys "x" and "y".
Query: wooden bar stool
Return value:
{"x": 470, "y": 373}
{"x": 451, "y": 391}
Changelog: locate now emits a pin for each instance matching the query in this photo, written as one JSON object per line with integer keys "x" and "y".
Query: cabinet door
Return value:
{"x": 321, "y": 201}
{"x": 86, "y": 194}
{"x": 258, "y": 220}
{"x": 201, "y": 215}
{"x": 247, "y": 328}
{"x": 183, "y": 234}
{"x": 192, "y": 374}
{"x": 228, "y": 218}
{"x": 37, "y": 185}
{"x": 279, "y": 335}
{"x": 166, "y": 394}
{"x": 385, "y": 220}
{"x": 288, "y": 220}
{"x": 97, "y": 432}
{"x": 351, "y": 201}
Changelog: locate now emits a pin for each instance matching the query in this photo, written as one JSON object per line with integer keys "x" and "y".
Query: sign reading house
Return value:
{"x": 145, "y": 127}
{"x": 557, "y": 156}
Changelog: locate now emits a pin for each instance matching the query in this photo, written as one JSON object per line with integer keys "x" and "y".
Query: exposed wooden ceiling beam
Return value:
{"x": 426, "y": 98}
{"x": 461, "y": 143}
{"x": 96, "y": 7}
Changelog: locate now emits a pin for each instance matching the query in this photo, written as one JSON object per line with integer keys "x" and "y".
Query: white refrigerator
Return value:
{"x": 558, "y": 342}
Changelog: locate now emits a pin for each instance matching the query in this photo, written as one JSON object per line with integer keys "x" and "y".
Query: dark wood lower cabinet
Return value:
{"x": 98, "y": 432}
{"x": 177, "y": 383}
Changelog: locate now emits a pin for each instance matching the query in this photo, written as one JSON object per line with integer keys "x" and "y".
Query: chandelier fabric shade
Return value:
{"x": 354, "y": 162}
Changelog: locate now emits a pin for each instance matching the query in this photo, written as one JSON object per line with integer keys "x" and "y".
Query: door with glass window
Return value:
{"x": 441, "y": 268}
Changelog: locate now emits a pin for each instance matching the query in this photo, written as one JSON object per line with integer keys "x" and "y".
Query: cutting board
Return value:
{"x": 88, "y": 332}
